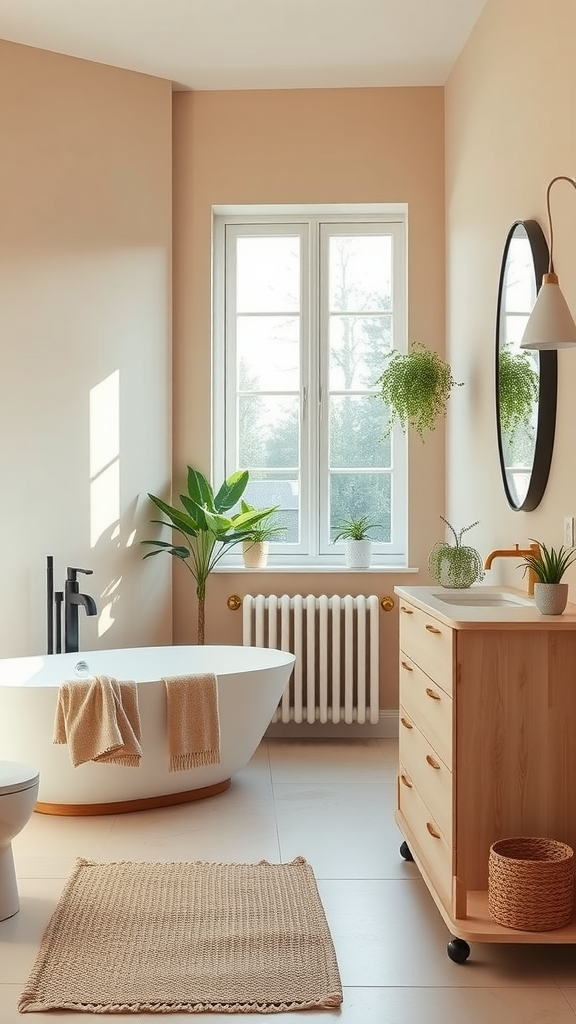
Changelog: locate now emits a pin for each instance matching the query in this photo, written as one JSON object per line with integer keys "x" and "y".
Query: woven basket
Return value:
{"x": 531, "y": 883}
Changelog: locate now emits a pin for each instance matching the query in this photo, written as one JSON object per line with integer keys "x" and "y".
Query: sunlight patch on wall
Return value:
{"x": 106, "y": 620}
{"x": 105, "y": 459}
{"x": 110, "y": 596}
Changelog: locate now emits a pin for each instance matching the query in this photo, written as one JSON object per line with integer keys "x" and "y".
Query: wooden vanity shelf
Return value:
{"x": 487, "y": 738}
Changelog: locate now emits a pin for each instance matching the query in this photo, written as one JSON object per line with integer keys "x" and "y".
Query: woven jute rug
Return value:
{"x": 138, "y": 937}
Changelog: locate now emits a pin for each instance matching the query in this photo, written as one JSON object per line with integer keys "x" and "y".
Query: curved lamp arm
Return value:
{"x": 550, "y": 324}
{"x": 559, "y": 177}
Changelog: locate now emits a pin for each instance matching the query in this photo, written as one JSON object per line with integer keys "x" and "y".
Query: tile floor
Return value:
{"x": 332, "y": 802}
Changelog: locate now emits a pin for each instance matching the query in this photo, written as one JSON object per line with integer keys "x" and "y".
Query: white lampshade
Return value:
{"x": 550, "y": 324}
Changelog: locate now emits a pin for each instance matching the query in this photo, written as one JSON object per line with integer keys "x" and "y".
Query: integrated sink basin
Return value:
{"x": 478, "y": 599}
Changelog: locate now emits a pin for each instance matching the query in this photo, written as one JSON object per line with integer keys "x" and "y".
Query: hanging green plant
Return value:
{"x": 416, "y": 386}
{"x": 518, "y": 390}
{"x": 455, "y": 565}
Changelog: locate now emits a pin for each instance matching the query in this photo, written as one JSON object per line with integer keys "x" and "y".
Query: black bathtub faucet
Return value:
{"x": 73, "y": 601}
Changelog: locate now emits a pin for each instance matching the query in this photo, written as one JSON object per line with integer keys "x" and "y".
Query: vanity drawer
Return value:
{"x": 427, "y": 771}
{"x": 432, "y": 848}
{"x": 428, "y": 642}
{"x": 429, "y": 706}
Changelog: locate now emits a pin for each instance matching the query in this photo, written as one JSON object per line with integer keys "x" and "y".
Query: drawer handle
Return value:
{"x": 406, "y": 723}
{"x": 432, "y": 830}
{"x": 406, "y": 666}
{"x": 432, "y": 629}
{"x": 407, "y": 611}
{"x": 406, "y": 781}
{"x": 432, "y": 693}
{"x": 432, "y": 762}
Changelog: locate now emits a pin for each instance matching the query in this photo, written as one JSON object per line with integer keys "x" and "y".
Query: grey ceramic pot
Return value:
{"x": 551, "y": 598}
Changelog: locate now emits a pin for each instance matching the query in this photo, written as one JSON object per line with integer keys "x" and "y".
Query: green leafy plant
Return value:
{"x": 455, "y": 565}
{"x": 266, "y": 529}
{"x": 355, "y": 528}
{"x": 416, "y": 386}
{"x": 518, "y": 390}
{"x": 550, "y": 564}
{"x": 207, "y": 527}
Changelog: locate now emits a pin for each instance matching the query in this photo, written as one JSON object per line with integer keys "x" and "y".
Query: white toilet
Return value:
{"x": 18, "y": 795}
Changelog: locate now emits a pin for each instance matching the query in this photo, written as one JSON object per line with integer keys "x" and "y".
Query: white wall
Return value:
{"x": 510, "y": 128}
{"x": 85, "y": 315}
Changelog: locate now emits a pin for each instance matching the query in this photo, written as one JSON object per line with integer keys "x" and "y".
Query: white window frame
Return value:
{"x": 314, "y": 548}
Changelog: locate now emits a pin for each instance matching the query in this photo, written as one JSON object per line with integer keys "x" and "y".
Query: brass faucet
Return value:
{"x": 517, "y": 552}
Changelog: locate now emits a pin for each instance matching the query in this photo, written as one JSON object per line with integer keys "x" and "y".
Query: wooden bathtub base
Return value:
{"x": 146, "y": 803}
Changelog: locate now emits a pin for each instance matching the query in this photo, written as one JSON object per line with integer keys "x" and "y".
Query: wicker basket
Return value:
{"x": 531, "y": 883}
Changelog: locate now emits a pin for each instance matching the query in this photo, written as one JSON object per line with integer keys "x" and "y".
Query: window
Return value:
{"x": 305, "y": 309}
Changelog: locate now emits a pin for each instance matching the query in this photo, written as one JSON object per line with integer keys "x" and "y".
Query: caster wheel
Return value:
{"x": 458, "y": 951}
{"x": 405, "y": 852}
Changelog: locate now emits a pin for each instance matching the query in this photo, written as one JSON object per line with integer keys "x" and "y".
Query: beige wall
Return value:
{"x": 304, "y": 146}
{"x": 85, "y": 289}
{"x": 85, "y": 196}
{"x": 510, "y": 128}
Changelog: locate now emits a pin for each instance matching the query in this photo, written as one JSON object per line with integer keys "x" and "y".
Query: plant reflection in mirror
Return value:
{"x": 518, "y": 391}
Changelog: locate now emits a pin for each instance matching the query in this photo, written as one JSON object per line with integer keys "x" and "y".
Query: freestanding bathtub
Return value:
{"x": 251, "y": 681}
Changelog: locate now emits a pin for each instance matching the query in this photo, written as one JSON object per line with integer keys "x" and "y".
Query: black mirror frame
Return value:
{"x": 548, "y": 370}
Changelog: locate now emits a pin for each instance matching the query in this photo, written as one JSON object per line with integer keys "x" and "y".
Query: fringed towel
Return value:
{"x": 192, "y": 719}
{"x": 99, "y": 719}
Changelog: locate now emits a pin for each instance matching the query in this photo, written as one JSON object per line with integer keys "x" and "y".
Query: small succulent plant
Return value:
{"x": 455, "y": 565}
{"x": 355, "y": 529}
{"x": 550, "y": 564}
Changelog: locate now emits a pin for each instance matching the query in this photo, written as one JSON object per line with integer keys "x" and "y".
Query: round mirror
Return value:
{"x": 526, "y": 382}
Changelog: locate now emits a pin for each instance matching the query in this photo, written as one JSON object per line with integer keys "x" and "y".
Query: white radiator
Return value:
{"x": 335, "y": 640}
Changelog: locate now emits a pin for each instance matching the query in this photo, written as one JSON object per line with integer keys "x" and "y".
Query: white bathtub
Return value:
{"x": 251, "y": 681}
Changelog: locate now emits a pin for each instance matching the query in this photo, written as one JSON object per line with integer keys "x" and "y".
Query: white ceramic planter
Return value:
{"x": 255, "y": 554}
{"x": 551, "y": 598}
{"x": 358, "y": 554}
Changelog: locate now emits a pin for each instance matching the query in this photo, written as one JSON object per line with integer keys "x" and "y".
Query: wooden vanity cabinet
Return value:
{"x": 487, "y": 740}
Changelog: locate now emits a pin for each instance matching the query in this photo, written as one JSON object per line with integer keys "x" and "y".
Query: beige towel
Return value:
{"x": 192, "y": 720}
{"x": 99, "y": 720}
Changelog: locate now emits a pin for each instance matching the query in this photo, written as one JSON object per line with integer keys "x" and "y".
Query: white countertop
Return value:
{"x": 521, "y": 613}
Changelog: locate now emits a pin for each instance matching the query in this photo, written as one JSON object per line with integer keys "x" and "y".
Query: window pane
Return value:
{"x": 266, "y": 489}
{"x": 268, "y": 353}
{"x": 515, "y": 327}
{"x": 268, "y": 274}
{"x": 306, "y": 307}
{"x": 520, "y": 284}
{"x": 268, "y": 432}
{"x": 357, "y": 427}
{"x": 357, "y": 349}
{"x": 360, "y": 273}
{"x": 362, "y": 494}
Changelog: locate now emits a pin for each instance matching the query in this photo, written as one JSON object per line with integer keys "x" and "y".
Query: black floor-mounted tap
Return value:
{"x": 73, "y": 600}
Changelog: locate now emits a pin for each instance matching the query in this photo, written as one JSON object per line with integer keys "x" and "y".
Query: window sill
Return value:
{"x": 311, "y": 569}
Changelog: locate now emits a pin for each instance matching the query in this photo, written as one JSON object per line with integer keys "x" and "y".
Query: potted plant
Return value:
{"x": 356, "y": 532}
{"x": 455, "y": 565}
{"x": 416, "y": 386}
{"x": 518, "y": 390}
{"x": 255, "y": 546}
{"x": 549, "y": 565}
{"x": 207, "y": 527}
